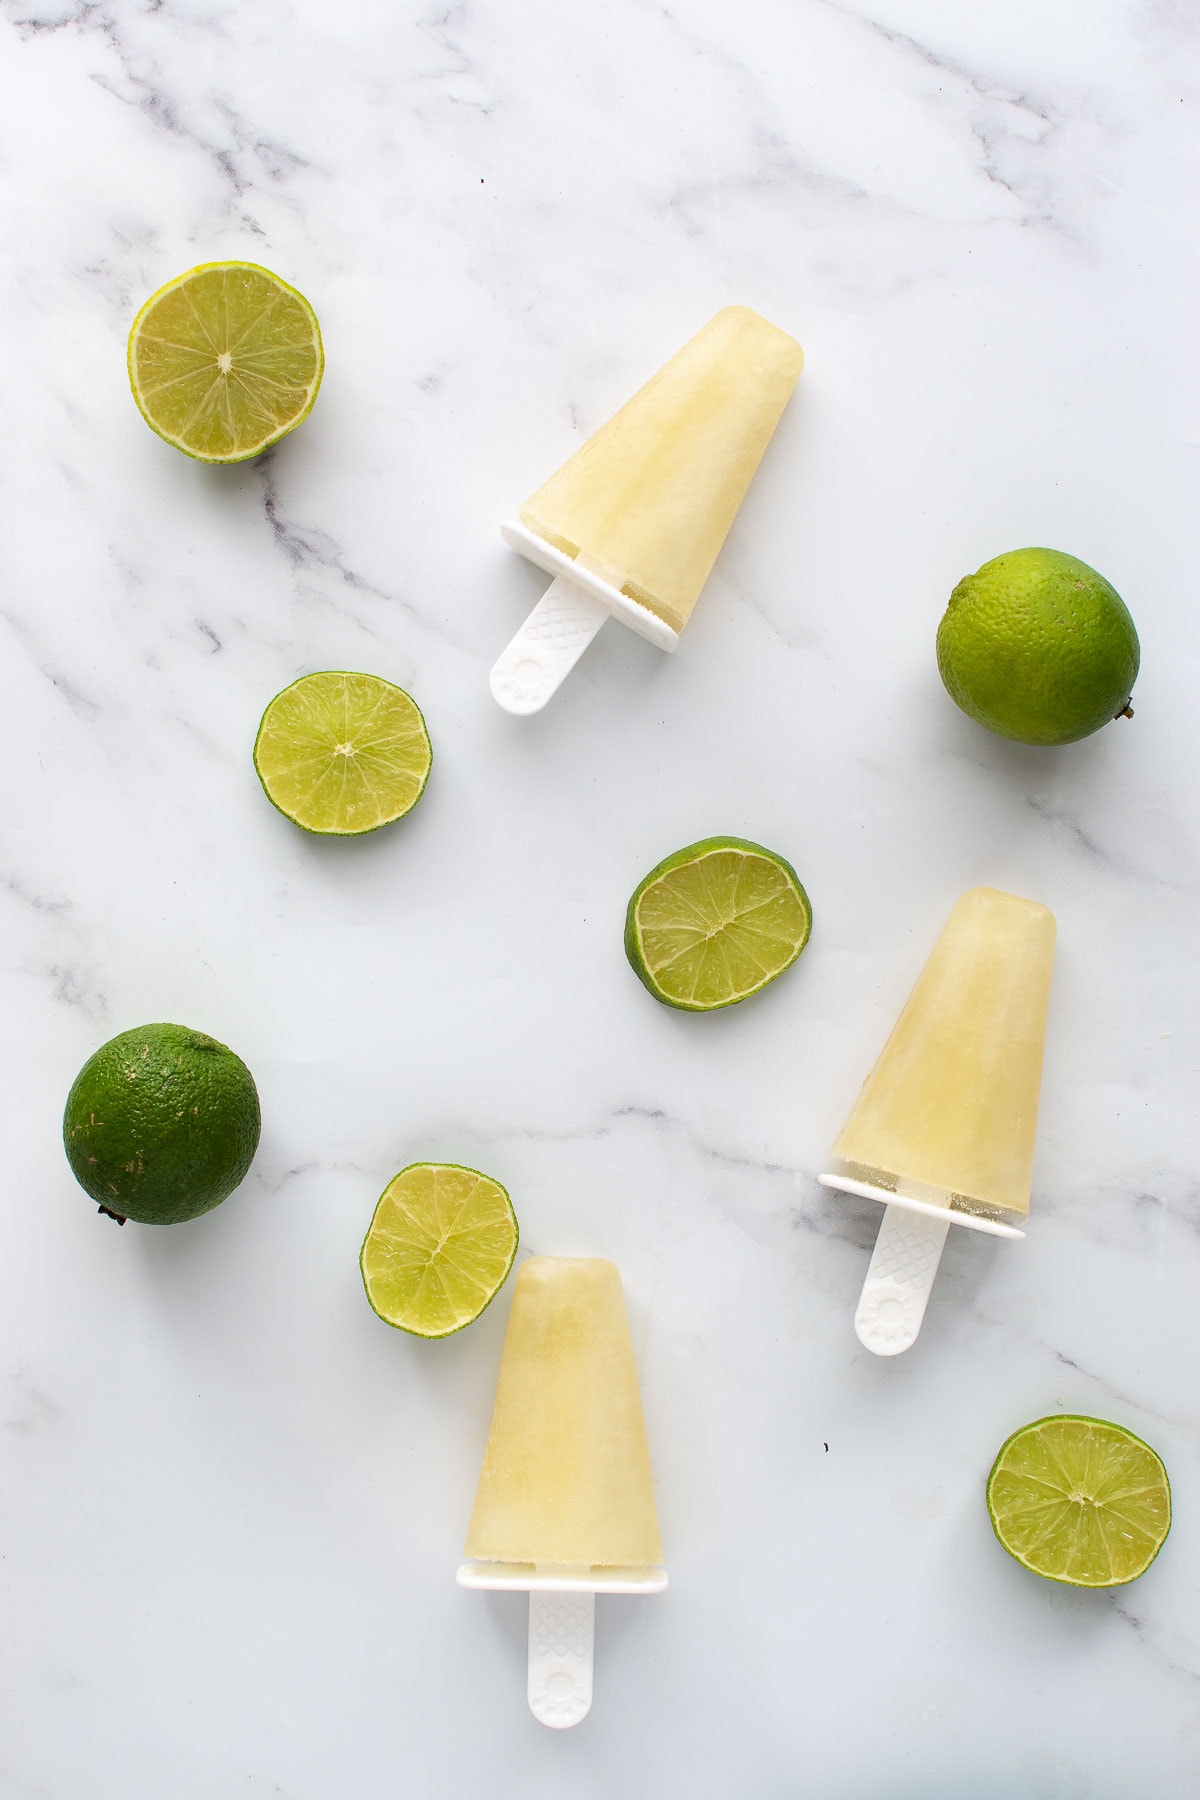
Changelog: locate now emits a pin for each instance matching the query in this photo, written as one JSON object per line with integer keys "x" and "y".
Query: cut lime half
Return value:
{"x": 1080, "y": 1500}
{"x": 225, "y": 360}
{"x": 340, "y": 754}
{"x": 439, "y": 1249}
{"x": 715, "y": 923}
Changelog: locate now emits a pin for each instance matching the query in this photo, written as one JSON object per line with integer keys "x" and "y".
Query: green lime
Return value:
{"x": 225, "y": 360}
{"x": 342, "y": 754}
{"x": 161, "y": 1124}
{"x": 1038, "y": 647}
{"x": 1080, "y": 1501}
{"x": 715, "y": 923}
{"x": 439, "y": 1248}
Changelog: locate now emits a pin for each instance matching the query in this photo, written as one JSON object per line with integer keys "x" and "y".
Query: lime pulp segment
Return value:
{"x": 1080, "y": 1501}
{"x": 340, "y": 753}
{"x": 225, "y": 360}
{"x": 439, "y": 1248}
{"x": 715, "y": 922}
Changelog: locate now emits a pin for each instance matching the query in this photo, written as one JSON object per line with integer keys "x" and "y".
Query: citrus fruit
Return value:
{"x": 225, "y": 360}
{"x": 161, "y": 1124}
{"x": 716, "y": 922}
{"x": 341, "y": 754}
{"x": 1038, "y": 647}
{"x": 1080, "y": 1501}
{"x": 439, "y": 1248}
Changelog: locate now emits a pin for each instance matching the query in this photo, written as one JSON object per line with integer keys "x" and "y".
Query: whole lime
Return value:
{"x": 161, "y": 1124}
{"x": 1038, "y": 647}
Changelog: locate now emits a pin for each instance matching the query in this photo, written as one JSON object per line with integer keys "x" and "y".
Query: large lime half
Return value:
{"x": 1080, "y": 1500}
{"x": 439, "y": 1248}
{"x": 161, "y": 1124}
{"x": 716, "y": 922}
{"x": 341, "y": 754}
{"x": 225, "y": 360}
{"x": 1035, "y": 645}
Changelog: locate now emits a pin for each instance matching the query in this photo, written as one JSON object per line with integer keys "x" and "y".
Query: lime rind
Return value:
{"x": 327, "y": 795}
{"x": 1079, "y": 1501}
{"x": 412, "y": 1282}
{"x": 720, "y": 934}
{"x": 277, "y": 383}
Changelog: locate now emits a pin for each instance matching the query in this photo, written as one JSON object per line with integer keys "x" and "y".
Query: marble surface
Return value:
{"x": 231, "y": 1500}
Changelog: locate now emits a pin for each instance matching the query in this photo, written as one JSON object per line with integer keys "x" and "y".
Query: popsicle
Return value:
{"x": 631, "y": 525}
{"x": 943, "y": 1130}
{"x": 565, "y": 1504}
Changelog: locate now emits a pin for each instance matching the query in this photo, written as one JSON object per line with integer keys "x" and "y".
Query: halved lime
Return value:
{"x": 716, "y": 922}
{"x": 1080, "y": 1500}
{"x": 439, "y": 1249}
{"x": 225, "y": 360}
{"x": 341, "y": 754}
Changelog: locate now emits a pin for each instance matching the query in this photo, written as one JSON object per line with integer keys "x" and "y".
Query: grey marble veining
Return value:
{"x": 231, "y": 1501}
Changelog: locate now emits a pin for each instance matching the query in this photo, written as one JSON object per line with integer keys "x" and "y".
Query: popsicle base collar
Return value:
{"x": 562, "y": 1627}
{"x": 563, "y": 623}
{"x": 903, "y": 1264}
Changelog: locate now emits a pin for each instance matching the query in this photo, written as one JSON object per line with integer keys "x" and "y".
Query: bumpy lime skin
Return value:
{"x": 186, "y": 1132}
{"x": 1038, "y": 647}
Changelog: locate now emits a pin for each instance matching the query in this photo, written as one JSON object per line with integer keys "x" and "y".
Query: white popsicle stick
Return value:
{"x": 561, "y": 1657}
{"x": 562, "y": 1612}
{"x": 547, "y": 647}
{"x": 899, "y": 1280}
{"x": 563, "y": 623}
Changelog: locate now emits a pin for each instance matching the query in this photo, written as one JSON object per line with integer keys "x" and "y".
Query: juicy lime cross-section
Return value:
{"x": 341, "y": 754}
{"x": 716, "y": 922}
{"x": 439, "y": 1249}
{"x": 225, "y": 360}
{"x": 1079, "y": 1500}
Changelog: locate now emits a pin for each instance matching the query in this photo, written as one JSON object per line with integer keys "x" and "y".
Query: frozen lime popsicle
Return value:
{"x": 943, "y": 1130}
{"x": 566, "y": 1475}
{"x": 633, "y": 522}
{"x": 565, "y": 1504}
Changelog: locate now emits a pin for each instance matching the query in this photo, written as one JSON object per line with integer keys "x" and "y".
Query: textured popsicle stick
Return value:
{"x": 561, "y": 1653}
{"x": 899, "y": 1280}
{"x": 547, "y": 647}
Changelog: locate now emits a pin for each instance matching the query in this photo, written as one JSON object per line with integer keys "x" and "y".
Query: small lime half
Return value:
{"x": 439, "y": 1248}
{"x": 225, "y": 360}
{"x": 1080, "y": 1500}
{"x": 340, "y": 754}
{"x": 715, "y": 922}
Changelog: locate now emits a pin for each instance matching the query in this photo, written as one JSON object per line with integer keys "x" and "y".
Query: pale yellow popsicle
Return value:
{"x": 652, "y": 494}
{"x": 948, "y": 1113}
{"x": 566, "y": 1475}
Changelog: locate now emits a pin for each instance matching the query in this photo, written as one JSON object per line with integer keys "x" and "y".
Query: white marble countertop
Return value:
{"x": 231, "y": 1501}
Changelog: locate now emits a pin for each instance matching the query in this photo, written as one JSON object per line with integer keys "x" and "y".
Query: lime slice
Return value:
{"x": 715, "y": 923}
{"x": 341, "y": 754}
{"x": 225, "y": 360}
{"x": 1080, "y": 1501}
{"x": 439, "y": 1249}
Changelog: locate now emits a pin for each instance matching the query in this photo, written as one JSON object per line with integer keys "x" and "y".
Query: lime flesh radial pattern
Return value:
{"x": 1080, "y": 1500}
{"x": 1038, "y": 647}
{"x": 225, "y": 360}
{"x": 439, "y": 1248}
{"x": 715, "y": 923}
{"x": 341, "y": 754}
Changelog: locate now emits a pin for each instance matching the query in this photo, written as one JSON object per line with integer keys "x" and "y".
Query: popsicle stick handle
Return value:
{"x": 899, "y": 1280}
{"x": 561, "y": 1652}
{"x": 547, "y": 647}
